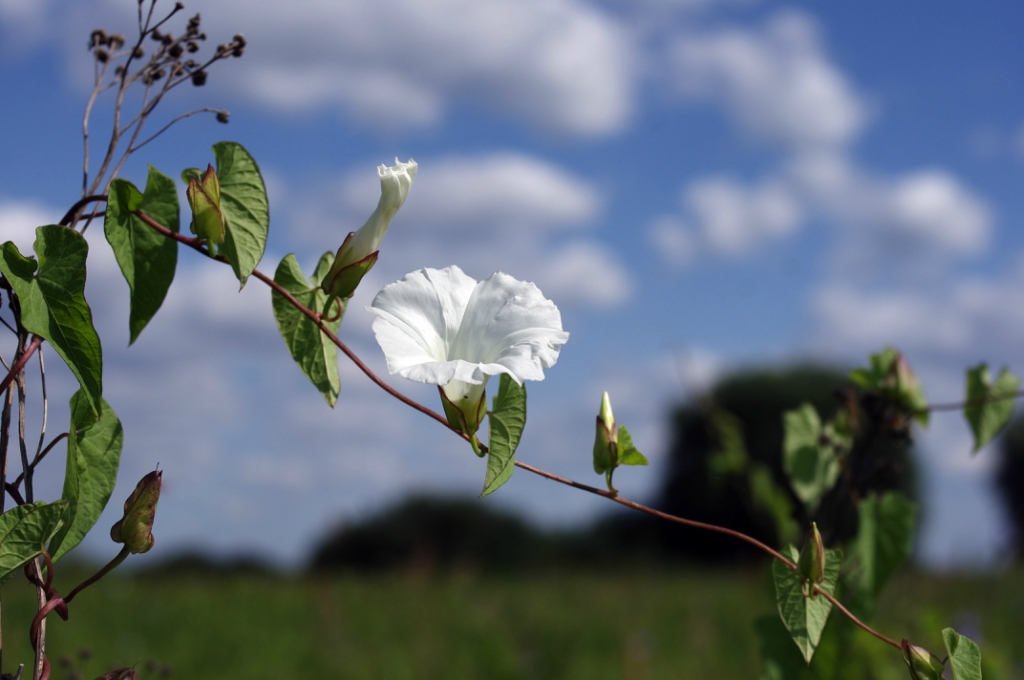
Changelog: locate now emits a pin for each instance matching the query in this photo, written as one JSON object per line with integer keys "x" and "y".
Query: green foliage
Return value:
{"x": 315, "y": 354}
{"x": 986, "y": 412}
{"x": 24, "y": 531}
{"x": 891, "y": 376}
{"x": 94, "y": 453}
{"x": 773, "y": 499}
{"x": 804, "y": 615}
{"x": 964, "y": 655}
{"x": 809, "y": 456}
{"x": 628, "y": 453}
{"x": 53, "y": 302}
{"x": 731, "y": 456}
{"x": 506, "y": 420}
{"x": 146, "y": 257}
{"x": 885, "y": 538}
{"x": 243, "y": 202}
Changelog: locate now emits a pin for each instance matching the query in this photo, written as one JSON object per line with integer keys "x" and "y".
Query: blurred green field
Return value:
{"x": 631, "y": 626}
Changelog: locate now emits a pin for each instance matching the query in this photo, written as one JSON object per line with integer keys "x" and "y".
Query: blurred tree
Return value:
{"x": 725, "y": 467}
{"x": 434, "y": 533}
{"x": 1010, "y": 479}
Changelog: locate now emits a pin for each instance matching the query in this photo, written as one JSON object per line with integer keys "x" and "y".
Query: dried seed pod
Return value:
{"x": 176, "y": 51}
{"x": 192, "y": 47}
{"x": 222, "y": 116}
{"x": 199, "y": 78}
{"x": 102, "y": 55}
{"x": 116, "y": 41}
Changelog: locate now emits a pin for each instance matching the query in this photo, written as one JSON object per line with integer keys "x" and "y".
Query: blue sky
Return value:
{"x": 700, "y": 185}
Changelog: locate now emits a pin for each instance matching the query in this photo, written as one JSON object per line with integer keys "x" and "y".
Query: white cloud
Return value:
{"x": 934, "y": 205}
{"x": 564, "y": 65}
{"x": 586, "y": 272}
{"x": 18, "y": 220}
{"x": 777, "y": 82}
{"x": 734, "y": 218}
{"x": 673, "y": 240}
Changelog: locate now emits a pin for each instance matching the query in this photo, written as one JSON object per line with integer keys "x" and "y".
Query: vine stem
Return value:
{"x": 198, "y": 245}
{"x": 20, "y": 363}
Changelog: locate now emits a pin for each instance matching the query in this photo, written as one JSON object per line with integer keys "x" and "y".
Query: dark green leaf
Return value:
{"x": 885, "y": 538}
{"x": 628, "y": 454}
{"x": 987, "y": 414}
{"x": 507, "y": 420}
{"x": 315, "y": 354}
{"x": 53, "y": 301}
{"x": 809, "y": 459}
{"x": 24, "y": 531}
{"x": 803, "y": 616}
{"x": 964, "y": 655}
{"x": 94, "y": 453}
{"x": 243, "y": 200}
{"x": 147, "y": 258}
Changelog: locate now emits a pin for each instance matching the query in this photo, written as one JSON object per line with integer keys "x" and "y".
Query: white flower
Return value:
{"x": 445, "y": 328}
{"x": 360, "y": 245}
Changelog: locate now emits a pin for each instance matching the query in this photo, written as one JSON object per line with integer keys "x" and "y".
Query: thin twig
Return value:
{"x": 71, "y": 216}
{"x": 149, "y": 139}
{"x": 197, "y": 244}
{"x": 46, "y": 407}
{"x": 39, "y": 457}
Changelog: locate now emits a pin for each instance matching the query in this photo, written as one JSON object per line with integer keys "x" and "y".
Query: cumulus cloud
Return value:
{"x": 562, "y": 65}
{"x": 776, "y": 83}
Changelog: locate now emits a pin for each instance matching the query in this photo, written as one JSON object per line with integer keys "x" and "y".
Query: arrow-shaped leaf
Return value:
{"x": 507, "y": 420}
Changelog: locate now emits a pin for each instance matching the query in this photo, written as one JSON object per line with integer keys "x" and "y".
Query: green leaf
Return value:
{"x": 147, "y": 258}
{"x": 885, "y": 538}
{"x": 24, "y": 531}
{"x": 808, "y": 456}
{"x": 507, "y": 420}
{"x": 892, "y": 377}
{"x": 628, "y": 454}
{"x": 243, "y": 200}
{"x": 53, "y": 301}
{"x": 315, "y": 354}
{"x": 731, "y": 456}
{"x": 987, "y": 416}
{"x": 803, "y": 616}
{"x": 779, "y": 660}
{"x": 769, "y": 497}
{"x": 94, "y": 453}
{"x": 964, "y": 655}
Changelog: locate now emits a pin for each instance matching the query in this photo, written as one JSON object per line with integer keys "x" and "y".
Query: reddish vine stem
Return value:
{"x": 70, "y": 217}
{"x": 20, "y": 363}
{"x": 198, "y": 245}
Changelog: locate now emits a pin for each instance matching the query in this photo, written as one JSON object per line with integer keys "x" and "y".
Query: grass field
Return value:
{"x": 631, "y": 626}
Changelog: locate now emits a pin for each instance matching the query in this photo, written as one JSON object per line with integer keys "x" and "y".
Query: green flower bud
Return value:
{"x": 204, "y": 199}
{"x": 342, "y": 281}
{"x": 923, "y": 664}
{"x": 135, "y": 529}
{"x": 465, "y": 405}
{"x": 811, "y": 564}
{"x": 606, "y": 449}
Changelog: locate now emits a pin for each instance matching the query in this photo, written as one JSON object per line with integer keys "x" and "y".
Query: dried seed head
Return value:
{"x": 179, "y": 6}
{"x": 176, "y": 51}
{"x": 157, "y": 35}
{"x": 192, "y": 47}
{"x": 168, "y": 39}
{"x": 237, "y": 52}
{"x": 239, "y": 40}
{"x": 119, "y": 71}
{"x": 222, "y": 116}
{"x": 201, "y": 36}
{"x": 102, "y": 55}
{"x": 97, "y": 38}
{"x": 191, "y": 64}
{"x": 116, "y": 41}
{"x": 199, "y": 78}
{"x": 157, "y": 75}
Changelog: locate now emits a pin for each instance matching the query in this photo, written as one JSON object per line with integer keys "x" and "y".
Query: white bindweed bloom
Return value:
{"x": 442, "y": 327}
{"x": 358, "y": 252}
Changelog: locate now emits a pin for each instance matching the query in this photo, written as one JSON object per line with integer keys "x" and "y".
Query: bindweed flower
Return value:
{"x": 442, "y": 327}
{"x": 358, "y": 253}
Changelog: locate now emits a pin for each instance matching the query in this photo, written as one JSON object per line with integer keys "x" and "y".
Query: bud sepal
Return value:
{"x": 203, "y": 194}
{"x": 135, "y": 528}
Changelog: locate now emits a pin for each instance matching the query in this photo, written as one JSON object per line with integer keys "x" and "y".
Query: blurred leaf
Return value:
{"x": 731, "y": 455}
{"x": 773, "y": 499}
{"x": 507, "y": 420}
{"x": 243, "y": 200}
{"x": 24, "y": 531}
{"x": 964, "y": 655}
{"x": 803, "y": 616}
{"x": 94, "y": 453}
{"x": 53, "y": 301}
{"x": 986, "y": 413}
{"x": 628, "y": 454}
{"x": 808, "y": 456}
{"x": 885, "y": 538}
{"x": 146, "y": 257}
{"x": 315, "y": 354}
{"x": 891, "y": 376}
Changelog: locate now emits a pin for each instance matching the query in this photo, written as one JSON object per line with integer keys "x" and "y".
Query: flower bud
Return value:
{"x": 811, "y": 564}
{"x": 135, "y": 529}
{"x": 358, "y": 253}
{"x": 465, "y": 405}
{"x": 605, "y": 440}
{"x": 204, "y": 199}
{"x": 922, "y": 664}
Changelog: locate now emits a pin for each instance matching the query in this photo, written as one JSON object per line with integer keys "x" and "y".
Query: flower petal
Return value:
{"x": 395, "y": 182}
{"x": 417, "y": 319}
{"x": 510, "y": 327}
